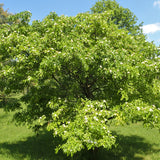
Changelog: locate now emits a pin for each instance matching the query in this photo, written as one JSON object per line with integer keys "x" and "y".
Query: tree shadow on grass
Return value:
{"x": 33, "y": 148}
{"x": 42, "y": 148}
{"x": 129, "y": 148}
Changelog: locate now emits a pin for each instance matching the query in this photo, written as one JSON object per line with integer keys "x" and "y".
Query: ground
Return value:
{"x": 17, "y": 143}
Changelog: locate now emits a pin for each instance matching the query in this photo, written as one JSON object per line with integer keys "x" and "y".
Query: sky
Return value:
{"x": 147, "y": 11}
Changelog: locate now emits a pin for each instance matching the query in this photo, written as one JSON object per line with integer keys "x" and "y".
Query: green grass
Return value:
{"x": 136, "y": 143}
{"x": 20, "y": 143}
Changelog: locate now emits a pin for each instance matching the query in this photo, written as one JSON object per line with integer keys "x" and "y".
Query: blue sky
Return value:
{"x": 147, "y": 11}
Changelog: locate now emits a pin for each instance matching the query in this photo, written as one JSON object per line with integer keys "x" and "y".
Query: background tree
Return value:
{"x": 3, "y": 15}
{"x": 121, "y": 16}
{"x": 84, "y": 73}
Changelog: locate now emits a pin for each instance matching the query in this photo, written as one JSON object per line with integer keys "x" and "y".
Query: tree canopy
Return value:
{"x": 3, "y": 15}
{"x": 82, "y": 74}
{"x": 121, "y": 16}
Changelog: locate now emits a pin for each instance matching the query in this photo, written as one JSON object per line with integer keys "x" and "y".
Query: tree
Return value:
{"x": 122, "y": 17}
{"x": 10, "y": 25}
{"x": 3, "y": 15}
{"x": 83, "y": 74}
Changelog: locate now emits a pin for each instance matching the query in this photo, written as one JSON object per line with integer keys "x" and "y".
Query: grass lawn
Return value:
{"x": 20, "y": 143}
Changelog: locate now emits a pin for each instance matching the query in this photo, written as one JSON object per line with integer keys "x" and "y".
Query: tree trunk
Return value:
{"x": 93, "y": 154}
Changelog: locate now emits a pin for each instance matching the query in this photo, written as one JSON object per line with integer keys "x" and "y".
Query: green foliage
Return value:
{"x": 85, "y": 125}
{"x": 3, "y": 20}
{"x": 80, "y": 75}
{"x": 21, "y": 18}
{"x": 122, "y": 17}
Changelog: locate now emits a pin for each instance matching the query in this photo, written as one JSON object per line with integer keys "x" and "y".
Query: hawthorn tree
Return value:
{"x": 83, "y": 74}
{"x": 4, "y": 18}
{"x": 7, "y": 28}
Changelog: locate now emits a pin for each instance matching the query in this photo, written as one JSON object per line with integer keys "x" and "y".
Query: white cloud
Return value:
{"x": 151, "y": 28}
{"x": 156, "y": 3}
